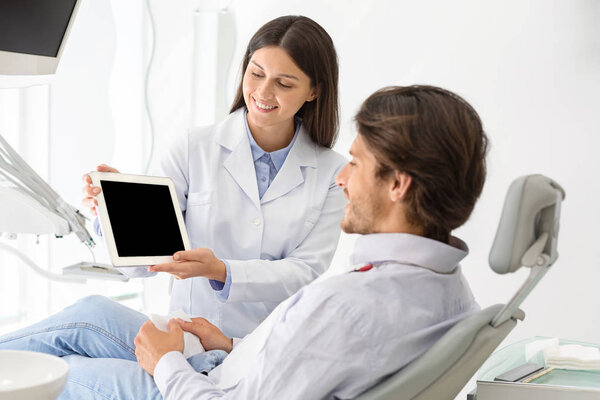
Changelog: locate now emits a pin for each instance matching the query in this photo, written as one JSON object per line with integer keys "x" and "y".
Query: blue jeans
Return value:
{"x": 95, "y": 336}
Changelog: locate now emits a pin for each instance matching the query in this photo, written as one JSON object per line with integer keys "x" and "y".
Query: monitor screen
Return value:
{"x": 35, "y": 27}
{"x": 143, "y": 219}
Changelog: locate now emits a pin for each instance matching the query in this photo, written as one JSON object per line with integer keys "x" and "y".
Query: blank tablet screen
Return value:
{"x": 142, "y": 218}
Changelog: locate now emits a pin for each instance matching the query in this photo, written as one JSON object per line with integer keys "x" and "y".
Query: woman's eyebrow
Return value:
{"x": 257, "y": 64}
{"x": 280, "y": 75}
{"x": 288, "y": 76}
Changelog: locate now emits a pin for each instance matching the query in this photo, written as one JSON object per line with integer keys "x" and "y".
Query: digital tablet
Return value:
{"x": 140, "y": 218}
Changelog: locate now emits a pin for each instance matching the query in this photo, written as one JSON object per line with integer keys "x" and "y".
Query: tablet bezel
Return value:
{"x": 107, "y": 231}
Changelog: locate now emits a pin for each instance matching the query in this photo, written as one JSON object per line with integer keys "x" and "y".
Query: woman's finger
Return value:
{"x": 172, "y": 267}
{"x": 181, "y": 275}
{"x": 106, "y": 168}
{"x": 87, "y": 201}
{"x": 91, "y": 191}
{"x": 90, "y": 203}
{"x": 182, "y": 255}
{"x": 166, "y": 267}
{"x": 192, "y": 255}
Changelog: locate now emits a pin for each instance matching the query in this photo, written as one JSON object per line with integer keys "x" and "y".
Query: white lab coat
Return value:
{"x": 274, "y": 245}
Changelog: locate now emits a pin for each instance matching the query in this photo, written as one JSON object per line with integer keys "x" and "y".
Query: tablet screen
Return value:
{"x": 143, "y": 219}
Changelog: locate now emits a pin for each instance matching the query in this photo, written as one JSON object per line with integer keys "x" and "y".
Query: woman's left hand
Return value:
{"x": 191, "y": 263}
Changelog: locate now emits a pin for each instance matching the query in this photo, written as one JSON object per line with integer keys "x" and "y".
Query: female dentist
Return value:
{"x": 258, "y": 192}
{"x": 258, "y": 189}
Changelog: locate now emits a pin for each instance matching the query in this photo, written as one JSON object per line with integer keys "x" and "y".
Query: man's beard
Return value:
{"x": 361, "y": 219}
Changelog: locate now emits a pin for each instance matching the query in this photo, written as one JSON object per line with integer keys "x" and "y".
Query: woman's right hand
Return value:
{"x": 90, "y": 192}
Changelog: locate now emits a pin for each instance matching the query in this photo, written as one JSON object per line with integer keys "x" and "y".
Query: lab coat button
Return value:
{"x": 256, "y": 221}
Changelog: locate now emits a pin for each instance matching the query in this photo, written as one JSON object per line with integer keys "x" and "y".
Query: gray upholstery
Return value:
{"x": 527, "y": 231}
{"x": 472, "y": 339}
{"x": 529, "y": 210}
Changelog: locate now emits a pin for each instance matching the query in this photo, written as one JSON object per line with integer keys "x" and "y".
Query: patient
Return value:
{"x": 417, "y": 169}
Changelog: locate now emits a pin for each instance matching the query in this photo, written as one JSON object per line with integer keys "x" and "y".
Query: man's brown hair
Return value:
{"x": 435, "y": 137}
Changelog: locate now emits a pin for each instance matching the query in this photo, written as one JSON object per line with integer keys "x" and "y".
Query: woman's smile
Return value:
{"x": 263, "y": 107}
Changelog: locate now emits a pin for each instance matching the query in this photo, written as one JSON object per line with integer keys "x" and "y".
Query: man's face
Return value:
{"x": 365, "y": 192}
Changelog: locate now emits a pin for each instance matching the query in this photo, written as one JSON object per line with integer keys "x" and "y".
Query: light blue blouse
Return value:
{"x": 266, "y": 166}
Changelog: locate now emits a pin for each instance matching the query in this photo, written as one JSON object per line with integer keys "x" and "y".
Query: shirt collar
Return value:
{"x": 278, "y": 156}
{"x": 405, "y": 248}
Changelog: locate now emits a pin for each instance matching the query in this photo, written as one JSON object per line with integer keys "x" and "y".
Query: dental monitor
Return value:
{"x": 33, "y": 34}
{"x": 141, "y": 220}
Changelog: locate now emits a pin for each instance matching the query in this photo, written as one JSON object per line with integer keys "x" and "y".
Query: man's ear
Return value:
{"x": 402, "y": 183}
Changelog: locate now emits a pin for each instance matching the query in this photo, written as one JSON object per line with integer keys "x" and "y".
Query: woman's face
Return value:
{"x": 274, "y": 88}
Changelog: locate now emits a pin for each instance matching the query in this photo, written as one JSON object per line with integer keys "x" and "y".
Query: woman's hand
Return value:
{"x": 90, "y": 192}
{"x": 197, "y": 262}
{"x": 210, "y": 336}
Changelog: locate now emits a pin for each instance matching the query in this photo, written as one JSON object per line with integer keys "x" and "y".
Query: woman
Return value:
{"x": 260, "y": 202}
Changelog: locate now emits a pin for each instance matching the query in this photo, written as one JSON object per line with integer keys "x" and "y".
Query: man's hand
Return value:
{"x": 197, "y": 262}
{"x": 210, "y": 336}
{"x": 151, "y": 344}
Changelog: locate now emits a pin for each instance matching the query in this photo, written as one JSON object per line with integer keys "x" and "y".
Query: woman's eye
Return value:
{"x": 254, "y": 74}
{"x": 283, "y": 85}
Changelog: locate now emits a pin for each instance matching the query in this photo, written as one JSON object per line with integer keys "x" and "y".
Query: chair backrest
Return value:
{"x": 531, "y": 209}
{"x": 526, "y": 235}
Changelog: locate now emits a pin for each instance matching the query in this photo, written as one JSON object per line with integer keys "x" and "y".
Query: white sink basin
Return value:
{"x": 27, "y": 375}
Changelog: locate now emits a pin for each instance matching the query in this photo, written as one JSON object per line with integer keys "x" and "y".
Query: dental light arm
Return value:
{"x": 20, "y": 178}
{"x": 29, "y": 205}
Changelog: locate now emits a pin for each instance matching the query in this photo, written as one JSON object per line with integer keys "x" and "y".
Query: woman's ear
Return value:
{"x": 314, "y": 93}
{"x": 401, "y": 186}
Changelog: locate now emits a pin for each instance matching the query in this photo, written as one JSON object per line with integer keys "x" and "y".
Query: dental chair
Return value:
{"x": 527, "y": 235}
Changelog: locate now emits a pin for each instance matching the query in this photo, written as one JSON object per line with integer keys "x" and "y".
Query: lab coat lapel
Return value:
{"x": 302, "y": 154}
{"x": 232, "y": 135}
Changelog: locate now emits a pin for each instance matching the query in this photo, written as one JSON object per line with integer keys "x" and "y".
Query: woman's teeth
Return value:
{"x": 263, "y": 106}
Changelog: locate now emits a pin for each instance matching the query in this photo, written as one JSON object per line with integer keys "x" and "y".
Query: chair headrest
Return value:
{"x": 529, "y": 224}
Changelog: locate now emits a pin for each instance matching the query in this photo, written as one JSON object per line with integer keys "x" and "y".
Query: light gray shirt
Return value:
{"x": 340, "y": 336}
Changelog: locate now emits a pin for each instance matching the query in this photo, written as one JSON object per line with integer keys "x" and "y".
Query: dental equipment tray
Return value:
{"x": 95, "y": 271}
{"x": 557, "y": 384}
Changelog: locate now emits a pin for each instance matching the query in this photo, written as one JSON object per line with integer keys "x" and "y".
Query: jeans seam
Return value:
{"x": 90, "y": 388}
{"x": 84, "y": 325}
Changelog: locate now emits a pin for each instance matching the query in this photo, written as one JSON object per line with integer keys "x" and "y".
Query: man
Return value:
{"x": 417, "y": 169}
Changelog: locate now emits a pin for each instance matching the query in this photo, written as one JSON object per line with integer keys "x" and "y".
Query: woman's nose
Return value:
{"x": 265, "y": 91}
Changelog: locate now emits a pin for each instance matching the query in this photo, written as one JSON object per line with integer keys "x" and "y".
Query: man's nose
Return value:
{"x": 340, "y": 179}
